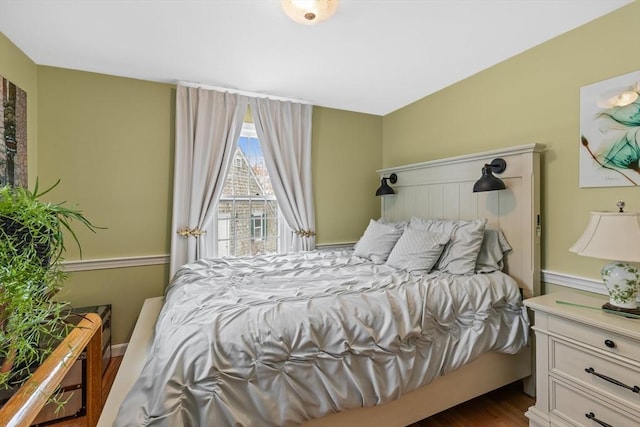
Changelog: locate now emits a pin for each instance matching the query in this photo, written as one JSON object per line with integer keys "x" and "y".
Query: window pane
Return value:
{"x": 223, "y": 248}
{"x": 247, "y": 215}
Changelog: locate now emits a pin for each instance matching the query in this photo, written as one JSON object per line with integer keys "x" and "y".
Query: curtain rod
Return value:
{"x": 243, "y": 92}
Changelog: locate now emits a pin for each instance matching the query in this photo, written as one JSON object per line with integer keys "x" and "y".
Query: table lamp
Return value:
{"x": 615, "y": 236}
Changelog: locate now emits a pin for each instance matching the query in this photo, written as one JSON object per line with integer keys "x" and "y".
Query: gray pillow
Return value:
{"x": 417, "y": 250}
{"x": 377, "y": 241}
{"x": 460, "y": 254}
{"x": 492, "y": 251}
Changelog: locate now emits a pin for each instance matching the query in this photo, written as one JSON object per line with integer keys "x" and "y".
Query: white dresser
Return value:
{"x": 587, "y": 364}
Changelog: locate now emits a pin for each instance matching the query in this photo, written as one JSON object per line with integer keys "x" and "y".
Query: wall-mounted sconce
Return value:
{"x": 487, "y": 181}
{"x": 384, "y": 189}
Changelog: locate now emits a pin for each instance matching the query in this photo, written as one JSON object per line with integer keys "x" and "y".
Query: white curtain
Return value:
{"x": 284, "y": 131}
{"x": 208, "y": 125}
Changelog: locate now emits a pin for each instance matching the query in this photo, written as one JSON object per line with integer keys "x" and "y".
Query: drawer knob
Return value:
{"x": 592, "y": 416}
{"x": 609, "y": 343}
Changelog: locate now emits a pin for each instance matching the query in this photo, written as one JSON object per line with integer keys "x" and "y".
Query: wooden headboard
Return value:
{"x": 443, "y": 189}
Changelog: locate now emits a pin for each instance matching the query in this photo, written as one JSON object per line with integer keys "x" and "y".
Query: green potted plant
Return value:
{"x": 31, "y": 274}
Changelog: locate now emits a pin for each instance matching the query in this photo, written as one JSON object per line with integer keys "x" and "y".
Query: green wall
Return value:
{"x": 110, "y": 141}
{"x": 532, "y": 97}
{"x": 23, "y": 72}
{"x": 347, "y": 151}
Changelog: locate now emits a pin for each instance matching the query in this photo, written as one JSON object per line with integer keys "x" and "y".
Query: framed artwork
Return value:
{"x": 13, "y": 134}
{"x": 610, "y": 132}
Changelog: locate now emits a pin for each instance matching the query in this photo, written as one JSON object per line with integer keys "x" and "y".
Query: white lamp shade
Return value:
{"x": 309, "y": 12}
{"x": 611, "y": 235}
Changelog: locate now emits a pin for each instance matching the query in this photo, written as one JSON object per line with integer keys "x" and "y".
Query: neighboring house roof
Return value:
{"x": 254, "y": 180}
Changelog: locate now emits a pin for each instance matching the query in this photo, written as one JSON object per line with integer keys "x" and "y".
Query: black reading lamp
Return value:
{"x": 384, "y": 189}
{"x": 489, "y": 182}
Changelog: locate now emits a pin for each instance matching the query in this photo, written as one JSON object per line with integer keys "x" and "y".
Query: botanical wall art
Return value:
{"x": 610, "y": 132}
{"x": 13, "y": 135}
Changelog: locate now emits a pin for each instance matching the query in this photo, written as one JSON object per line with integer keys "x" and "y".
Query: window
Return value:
{"x": 248, "y": 221}
{"x": 258, "y": 226}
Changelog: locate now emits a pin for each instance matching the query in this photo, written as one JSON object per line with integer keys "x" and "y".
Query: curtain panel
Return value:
{"x": 208, "y": 125}
{"x": 284, "y": 131}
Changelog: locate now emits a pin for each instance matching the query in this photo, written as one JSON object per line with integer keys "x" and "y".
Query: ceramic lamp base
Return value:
{"x": 621, "y": 280}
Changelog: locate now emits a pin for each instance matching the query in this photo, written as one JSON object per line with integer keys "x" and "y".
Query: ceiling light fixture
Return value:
{"x": 309, "y": 12}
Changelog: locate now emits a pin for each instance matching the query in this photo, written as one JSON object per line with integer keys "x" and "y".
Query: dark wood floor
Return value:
{"x": 504, "y": 407}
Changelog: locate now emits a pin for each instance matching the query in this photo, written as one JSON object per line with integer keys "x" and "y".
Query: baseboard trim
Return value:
{"x": 118, "y": 350}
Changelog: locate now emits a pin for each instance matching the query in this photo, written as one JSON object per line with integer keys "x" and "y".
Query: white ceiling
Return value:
{"x": 372, "y": 56}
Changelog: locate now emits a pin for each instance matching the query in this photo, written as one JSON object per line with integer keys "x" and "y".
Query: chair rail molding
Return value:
{"x": 107, "y": 263}
{"x": 574, "y": 282}
{"x": 145, "y": 260}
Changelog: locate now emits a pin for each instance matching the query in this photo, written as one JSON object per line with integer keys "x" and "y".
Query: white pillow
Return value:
{"x": 401, "y": 225}
{"x": 417, "y": 250}
{"x": 461, "y": 253}
{"x": 377, "y": 241}
{"x": 492, "y": 251}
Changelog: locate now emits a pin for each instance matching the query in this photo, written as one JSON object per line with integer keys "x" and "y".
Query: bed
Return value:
{"x": 357, "y": 341}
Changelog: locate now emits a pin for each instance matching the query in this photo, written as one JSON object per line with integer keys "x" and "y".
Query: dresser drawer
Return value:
{"x": 572, "y": 406}
{"x": 595, "y": 337}
{"x": 572, "y": 362}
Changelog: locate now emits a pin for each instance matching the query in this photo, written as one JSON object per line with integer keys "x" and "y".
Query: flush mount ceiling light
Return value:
{"x": 309, "y": 12}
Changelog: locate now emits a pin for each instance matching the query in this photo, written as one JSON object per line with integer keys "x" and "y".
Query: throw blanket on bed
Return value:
{"x": 275, "y": 340}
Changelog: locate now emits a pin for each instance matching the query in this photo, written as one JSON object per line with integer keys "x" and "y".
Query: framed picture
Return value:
{"x": 610, "y": 132}
{"x": 13, "y": 134}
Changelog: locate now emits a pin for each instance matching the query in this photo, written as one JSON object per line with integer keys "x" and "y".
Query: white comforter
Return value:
{"x": 275, "y": 340}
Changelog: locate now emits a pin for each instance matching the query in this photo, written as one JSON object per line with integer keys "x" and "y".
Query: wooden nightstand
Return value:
{"x": 587, "y": 364}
